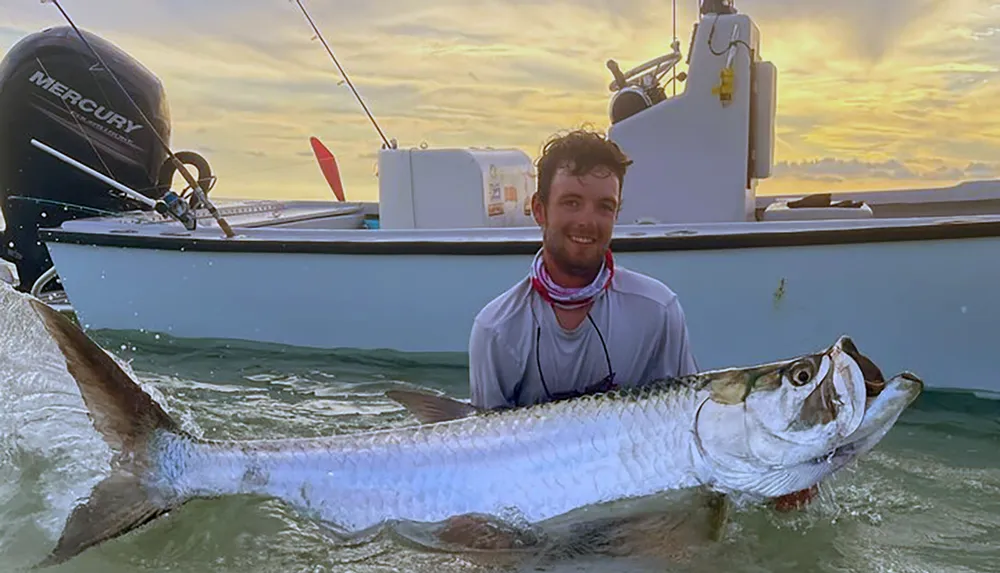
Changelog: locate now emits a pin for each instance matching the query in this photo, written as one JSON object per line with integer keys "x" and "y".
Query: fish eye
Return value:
{"x": 801, "y": 373}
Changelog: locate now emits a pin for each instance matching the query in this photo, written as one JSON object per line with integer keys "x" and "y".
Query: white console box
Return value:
{"x": 455, "y": 188}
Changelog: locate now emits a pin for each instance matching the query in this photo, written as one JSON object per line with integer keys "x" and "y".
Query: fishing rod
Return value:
{"x": 196, "y": 188}
{"x": 344, "y": 74}
{"x": 170, "y": 205}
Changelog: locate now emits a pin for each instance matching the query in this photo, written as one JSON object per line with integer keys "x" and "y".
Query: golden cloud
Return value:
{"x": 911, "y": 81}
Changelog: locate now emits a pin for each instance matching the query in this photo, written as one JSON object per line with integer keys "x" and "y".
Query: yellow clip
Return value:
{"x": 725, "y": 87}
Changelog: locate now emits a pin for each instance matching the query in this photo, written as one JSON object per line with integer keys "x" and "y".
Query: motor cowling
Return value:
{"x": 53, "y": 89}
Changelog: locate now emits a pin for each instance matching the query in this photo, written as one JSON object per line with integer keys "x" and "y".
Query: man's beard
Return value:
{"x": 560, "y": 256}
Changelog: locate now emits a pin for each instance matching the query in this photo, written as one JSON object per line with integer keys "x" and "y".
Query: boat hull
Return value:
{"x": 923, "y": 301}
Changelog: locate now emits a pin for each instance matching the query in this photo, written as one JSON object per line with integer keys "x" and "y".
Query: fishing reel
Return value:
{"x": 172, "y": 205}
{"x": 206, "y": 180}
{"x": 640, "y": 87}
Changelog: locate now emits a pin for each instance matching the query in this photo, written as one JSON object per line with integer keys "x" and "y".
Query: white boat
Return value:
{"x": 910, "y": 275}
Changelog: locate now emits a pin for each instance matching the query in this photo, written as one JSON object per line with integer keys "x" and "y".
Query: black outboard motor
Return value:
{"x": 52, "y": 88}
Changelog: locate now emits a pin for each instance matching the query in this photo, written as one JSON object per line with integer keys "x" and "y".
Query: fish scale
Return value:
{"x": 765, "y": 430}
{"x": 560, "y": 457}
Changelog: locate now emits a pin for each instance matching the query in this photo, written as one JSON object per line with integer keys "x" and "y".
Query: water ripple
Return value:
{"x": 927, "y": 499}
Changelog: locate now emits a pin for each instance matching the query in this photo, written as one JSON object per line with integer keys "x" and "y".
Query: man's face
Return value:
{"x": 578, "y": 220}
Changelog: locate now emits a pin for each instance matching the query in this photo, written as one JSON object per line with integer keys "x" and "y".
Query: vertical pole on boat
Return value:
{"x": 674, "y": 69}
{"x": 199, "y": 193}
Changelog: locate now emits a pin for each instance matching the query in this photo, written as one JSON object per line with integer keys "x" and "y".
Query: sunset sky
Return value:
{"x": 872, "y": 93}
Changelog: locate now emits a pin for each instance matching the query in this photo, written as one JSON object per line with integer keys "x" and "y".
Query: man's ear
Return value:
{"x": 538, "y": 209}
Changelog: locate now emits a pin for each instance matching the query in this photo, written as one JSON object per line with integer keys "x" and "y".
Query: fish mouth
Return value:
{"x": 881, "y": 412}
{"x": 874, "y": 380}
{"x": 884, "y": 402}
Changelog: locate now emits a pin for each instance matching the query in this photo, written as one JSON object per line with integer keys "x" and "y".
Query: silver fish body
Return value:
{"x": 767, "y": 430}
{"x": 529, "y": 464}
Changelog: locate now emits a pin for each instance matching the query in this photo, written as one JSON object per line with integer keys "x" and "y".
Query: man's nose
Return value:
{"x": 590, "y": 215}
{"x": 586, "y": 220}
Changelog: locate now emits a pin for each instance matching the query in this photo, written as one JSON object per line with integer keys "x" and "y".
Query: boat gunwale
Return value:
{"x": 523, "y": 240}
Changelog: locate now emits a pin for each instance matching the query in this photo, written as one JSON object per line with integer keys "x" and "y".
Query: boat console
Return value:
{"x": 697, "y": 156}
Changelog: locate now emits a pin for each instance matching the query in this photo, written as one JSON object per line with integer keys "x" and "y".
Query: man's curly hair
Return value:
{"x": 581, "y": 151}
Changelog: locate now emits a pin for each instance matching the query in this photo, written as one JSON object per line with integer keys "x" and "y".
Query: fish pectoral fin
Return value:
{"x": 116, "y": 506}
{"x": 431, "y": 408}
{"x": 666, "y": 534}
{"x": 485, "y": 533}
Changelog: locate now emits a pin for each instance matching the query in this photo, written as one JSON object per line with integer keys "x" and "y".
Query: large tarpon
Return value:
{"x": 767, "y": 430}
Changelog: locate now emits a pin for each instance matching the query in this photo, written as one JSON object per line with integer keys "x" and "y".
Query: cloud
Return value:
{"x": 971, "y": 171}
{"x": 860, "y": 81}
{"x": 834, "y": 170}
{"x": 831, "y": 169}
{"x": 863, "y": 28}
{"x": 981, "y": 170}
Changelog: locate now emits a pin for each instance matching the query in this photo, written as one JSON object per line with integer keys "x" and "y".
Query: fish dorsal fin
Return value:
{"x": 121, "y": 411}
{"x": 430, "y": 408}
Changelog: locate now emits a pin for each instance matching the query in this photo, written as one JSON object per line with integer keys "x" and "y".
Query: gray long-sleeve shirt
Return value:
{"x": 640, "y": 318}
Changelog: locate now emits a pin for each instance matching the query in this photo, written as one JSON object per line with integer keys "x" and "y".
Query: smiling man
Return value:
{"x": 578, "y": 323}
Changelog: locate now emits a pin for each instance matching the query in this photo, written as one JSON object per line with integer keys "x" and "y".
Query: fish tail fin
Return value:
{"x": 129, "y": 420}
{"x": 116, "y": 505}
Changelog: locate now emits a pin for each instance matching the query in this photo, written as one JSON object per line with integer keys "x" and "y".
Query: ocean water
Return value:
{"x": 927, "y": 499}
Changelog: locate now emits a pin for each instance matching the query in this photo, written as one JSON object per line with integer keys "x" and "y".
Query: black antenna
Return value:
{"x": 675, "y": 46}
{"x": 199, "y": 193}
{"x": 344, "y": 74}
